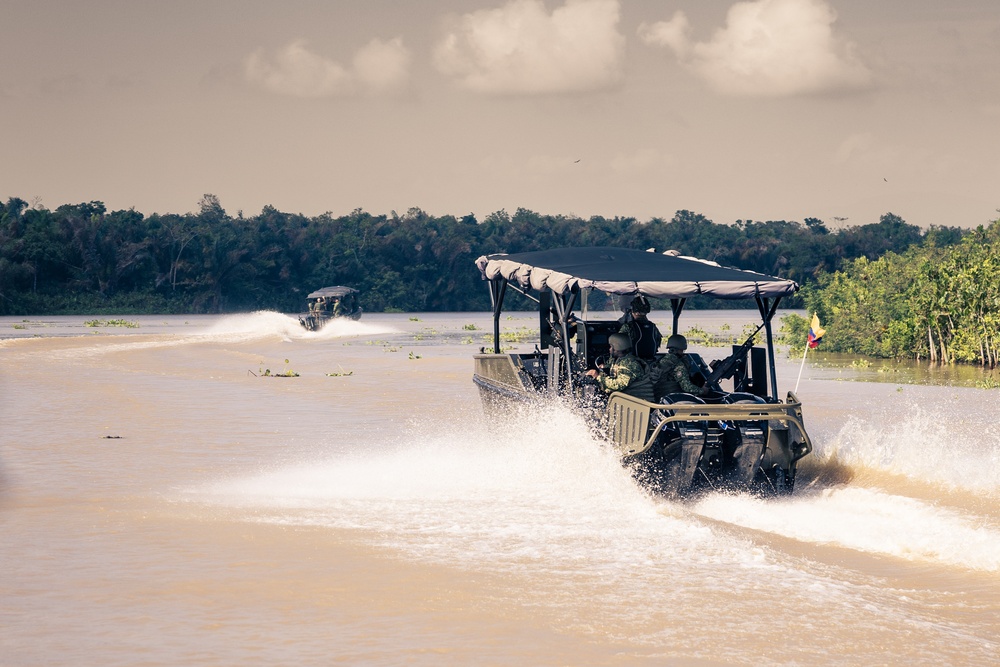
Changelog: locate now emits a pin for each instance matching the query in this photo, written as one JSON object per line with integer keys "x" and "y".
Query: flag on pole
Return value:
{"x": 816, "y": 332}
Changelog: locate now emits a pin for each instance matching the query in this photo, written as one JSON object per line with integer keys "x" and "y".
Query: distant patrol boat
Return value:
{"x": 330, "y": 303}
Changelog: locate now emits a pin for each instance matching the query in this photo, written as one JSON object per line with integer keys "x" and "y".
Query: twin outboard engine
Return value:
{"x": 752, "y": 437}
{"x": 705, "y": 448}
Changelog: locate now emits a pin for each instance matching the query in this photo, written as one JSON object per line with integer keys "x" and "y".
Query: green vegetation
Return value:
{"x": 519, "y": 335}
{"x": 81, "y": 258}
{"x": 266, "y": 372}
{"x": 928, "y": 302}
{"x": 112, "y": 323}
{"x": 887, "y": 289}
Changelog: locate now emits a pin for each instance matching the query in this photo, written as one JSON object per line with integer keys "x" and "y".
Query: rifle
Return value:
{"x": 725, "y": 369}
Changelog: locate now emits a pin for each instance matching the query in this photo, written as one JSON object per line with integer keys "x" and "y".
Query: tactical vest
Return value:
{"x": 644, "y": 338}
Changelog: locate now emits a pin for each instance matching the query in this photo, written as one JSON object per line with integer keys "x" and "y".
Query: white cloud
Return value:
{"x": 382, "y": 66}
{"x": 298, "y": 72}
{"x": 521, "y": 49}
{"x": 673, "y": 33}
{"x": 768, "y": 48}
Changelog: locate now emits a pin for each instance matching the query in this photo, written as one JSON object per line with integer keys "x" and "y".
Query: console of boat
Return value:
{"x": 738, "y": 436}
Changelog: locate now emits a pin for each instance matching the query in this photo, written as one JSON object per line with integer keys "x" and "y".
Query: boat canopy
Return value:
{"x": 338, "y": 291}
{"x": 625, "y": 271}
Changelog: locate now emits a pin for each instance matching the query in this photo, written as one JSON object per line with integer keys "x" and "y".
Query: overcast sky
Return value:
{"x": 764, "y": 109}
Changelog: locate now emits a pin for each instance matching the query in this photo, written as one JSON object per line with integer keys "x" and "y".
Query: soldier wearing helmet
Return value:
{"x": 643, "y": 334}
{"x": 673, "y": 374}
{"x": 625, "y": 373}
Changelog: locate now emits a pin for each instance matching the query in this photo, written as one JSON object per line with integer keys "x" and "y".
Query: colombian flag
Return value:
{"x": 815, "y": 331}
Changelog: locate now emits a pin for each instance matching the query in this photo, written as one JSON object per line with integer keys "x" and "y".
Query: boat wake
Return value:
{"x": 264, "y": 324}
{"x": 542, "y": 488}
{"x": 913, "y": 478}
{"x": 867, "y": 520}
{"x": 551, "y": 496}
{"x": 954, "y": 444}
{"x": 541, "y": 504}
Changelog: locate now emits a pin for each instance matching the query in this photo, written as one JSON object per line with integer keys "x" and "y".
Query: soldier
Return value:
{"x": 673, "y": 374}
{"x": 643, "y": 334}
{"x": 625, "y": 373}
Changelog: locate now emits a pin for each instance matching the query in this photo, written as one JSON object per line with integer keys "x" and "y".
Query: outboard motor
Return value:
{"x": 752, "y": 437}
{"x": 698, "y": 441}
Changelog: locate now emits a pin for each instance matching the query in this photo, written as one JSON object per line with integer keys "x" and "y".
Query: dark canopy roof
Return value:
{"x": 624, "y": 271}
{"x": 338, "y": 291}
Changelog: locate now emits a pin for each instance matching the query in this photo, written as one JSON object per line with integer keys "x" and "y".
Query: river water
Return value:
{"x": 164, "y": 501}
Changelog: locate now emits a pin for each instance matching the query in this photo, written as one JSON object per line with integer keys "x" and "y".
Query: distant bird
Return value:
{"x": 885, "y": 179}
{"x": 576, "y": 161}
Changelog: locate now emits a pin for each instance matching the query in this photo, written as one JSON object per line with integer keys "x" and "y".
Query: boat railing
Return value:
{"x": 631, "y": 431}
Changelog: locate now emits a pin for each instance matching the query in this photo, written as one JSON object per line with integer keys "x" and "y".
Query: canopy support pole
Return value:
{"x": 767, "y": 309}
{"x": 676, "y": 305}
{"x": 498, "y": 289}
{"x": 563, "y": 307}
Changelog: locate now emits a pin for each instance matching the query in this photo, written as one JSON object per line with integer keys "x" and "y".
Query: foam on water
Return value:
{"x": 546, "y": 507}
{"x": 242, "y": 328}
{"x": 954, "y": 442}
{"x": 269, "y": 323}
{"x": 541, "y": 489}
{"x": 867, "y": 520}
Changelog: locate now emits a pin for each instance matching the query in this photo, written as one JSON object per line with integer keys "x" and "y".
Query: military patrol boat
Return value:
{"x": 743, "y": 436}
{"x": 329, "y": 303}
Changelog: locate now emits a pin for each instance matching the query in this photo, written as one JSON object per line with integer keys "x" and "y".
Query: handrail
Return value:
{"x": 629, "y": 418}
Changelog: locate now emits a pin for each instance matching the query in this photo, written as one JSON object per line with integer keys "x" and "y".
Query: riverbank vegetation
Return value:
{"x": 887, "y": 289}
{"x": 82, "y": 258}
{"x": 932, "y": 302}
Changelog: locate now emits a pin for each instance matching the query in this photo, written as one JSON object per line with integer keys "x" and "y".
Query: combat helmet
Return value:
{"x": 677, "y": 342}
{"x": 639, "y": 304}
{"x": 620, "y": 342}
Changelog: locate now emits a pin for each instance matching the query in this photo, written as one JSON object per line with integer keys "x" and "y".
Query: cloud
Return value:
{"x": 378, "y": 67}
{"x": 768, "y": 48}
{"x": 673, "y": 33}
{"x": 521, "y": 49}
{"x": 382, "y": 66}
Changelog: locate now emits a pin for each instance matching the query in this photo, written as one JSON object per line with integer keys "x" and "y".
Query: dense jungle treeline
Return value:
{"x": 933, "y": 302}
{"x": 81, "y": 258}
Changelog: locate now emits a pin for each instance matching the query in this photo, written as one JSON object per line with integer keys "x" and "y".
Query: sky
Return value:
{"x": 842, "y": 110}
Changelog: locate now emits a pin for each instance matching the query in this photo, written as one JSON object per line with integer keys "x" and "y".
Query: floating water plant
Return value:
{"x": 266, "y": 372}
{"x": 128, "y": 324}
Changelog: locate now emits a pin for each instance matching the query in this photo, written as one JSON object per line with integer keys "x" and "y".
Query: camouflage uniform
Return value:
{"x": 673, "y": 377}
{"x": 626, "y": 374}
